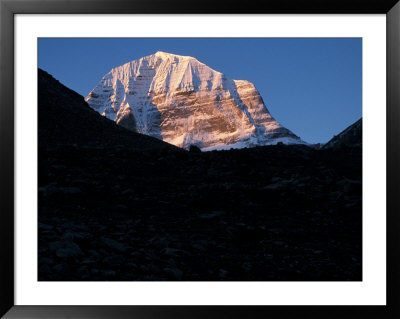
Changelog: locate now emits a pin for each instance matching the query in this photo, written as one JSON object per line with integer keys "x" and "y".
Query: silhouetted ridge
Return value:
{"x": 350, "y": 137}
{"x": 65, "y": 118}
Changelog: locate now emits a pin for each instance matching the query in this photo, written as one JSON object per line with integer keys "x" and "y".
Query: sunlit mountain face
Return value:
{"x": 184, "y": 102}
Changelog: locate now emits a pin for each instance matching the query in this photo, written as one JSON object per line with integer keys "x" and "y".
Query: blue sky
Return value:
{"x": 312, "y": 86}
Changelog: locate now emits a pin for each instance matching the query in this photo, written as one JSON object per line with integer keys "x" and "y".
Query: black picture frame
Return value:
{"x": 9, "y": 8}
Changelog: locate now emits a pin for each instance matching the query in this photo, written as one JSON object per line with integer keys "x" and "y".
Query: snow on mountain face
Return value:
{"x": 184, "y": 102}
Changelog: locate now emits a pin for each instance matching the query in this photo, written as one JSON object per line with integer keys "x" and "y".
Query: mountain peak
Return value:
{"x": 164, "y": 55}
{"x": 184, "y": 102}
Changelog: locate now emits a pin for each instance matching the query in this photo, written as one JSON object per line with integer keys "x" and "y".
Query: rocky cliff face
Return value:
{"x": 184, "y": 102}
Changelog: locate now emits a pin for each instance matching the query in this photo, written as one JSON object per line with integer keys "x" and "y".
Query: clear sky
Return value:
{"x": 312, "y": 86}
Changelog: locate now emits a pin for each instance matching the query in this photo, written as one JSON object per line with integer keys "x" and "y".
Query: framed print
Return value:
{"x": 160, "y": 159}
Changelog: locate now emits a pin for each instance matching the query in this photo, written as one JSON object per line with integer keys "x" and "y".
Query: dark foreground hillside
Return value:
{"x": 64, "y": 118}
{"x": 118, "y": 212}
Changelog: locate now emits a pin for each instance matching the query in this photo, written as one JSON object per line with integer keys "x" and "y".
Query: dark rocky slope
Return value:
{"x": 66, "y": 119}
{"x": 112, "y": 211}
{"x": 350, "y": 137}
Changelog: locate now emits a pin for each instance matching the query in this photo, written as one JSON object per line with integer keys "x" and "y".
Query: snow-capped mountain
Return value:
{"x": 184, "y": 102}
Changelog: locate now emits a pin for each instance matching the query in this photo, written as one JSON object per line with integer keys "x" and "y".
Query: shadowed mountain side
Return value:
{"x": 350, "y": 137}
{"x": 66, "y": 119}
